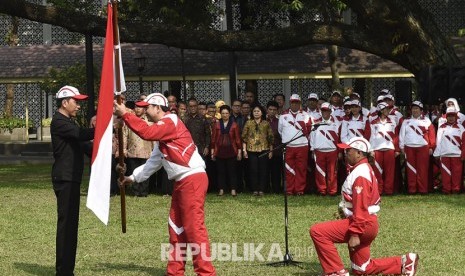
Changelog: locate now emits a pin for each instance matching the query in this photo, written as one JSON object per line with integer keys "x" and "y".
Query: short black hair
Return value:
{"x": 262, "y": 109}
{"x": 272, "y": 103}
{"x": 223, "y": 107}
{"x": 59, "y": 102}
{"x": 279, "y": 94}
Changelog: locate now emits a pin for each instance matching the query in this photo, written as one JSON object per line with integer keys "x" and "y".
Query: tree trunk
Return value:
{"x": 335, "y": 80}
{"x": 12, "y": 39}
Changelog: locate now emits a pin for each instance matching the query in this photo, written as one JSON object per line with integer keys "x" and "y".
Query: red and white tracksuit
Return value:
{"x": 176, "y": 152}
{"x": 360, "y": 203}
{"x": 314, "y": 114}
{"x": 355, "y": 127}
{"x": 338, "y": 113}
{"x": 450, "y": 147}
{"x": 311, "y": 170}
{"x": 460, "y": 119}
{"x": 416, "y": 137}
{"x": 373, "y": 114}
{"x": 384, "y": 142}
{"x": 323, "y": 144}
{"x": 395, "y": 115}
{"x": 460, "y": 116}
{"x": 290, "y": 126}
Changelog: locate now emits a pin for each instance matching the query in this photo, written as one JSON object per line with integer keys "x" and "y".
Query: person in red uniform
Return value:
{"x": 294, "y": 127}
{"x": 176, "y": 152}
{"x": 450, "y": 150}
{"x": 359, "y": 227}
{"x": 417, "y": 140}
{"x": 323, "y": 140}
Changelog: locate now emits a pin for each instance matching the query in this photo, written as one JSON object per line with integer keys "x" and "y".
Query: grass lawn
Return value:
{"x": 433, "y": 226}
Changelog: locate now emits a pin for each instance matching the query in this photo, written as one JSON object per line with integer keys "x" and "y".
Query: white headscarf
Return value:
{"x": 456, "y": 105}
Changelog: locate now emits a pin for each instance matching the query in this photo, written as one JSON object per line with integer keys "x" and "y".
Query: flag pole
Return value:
{"x": 119, "y": 100}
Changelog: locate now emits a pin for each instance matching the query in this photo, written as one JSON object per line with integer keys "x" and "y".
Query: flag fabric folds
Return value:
{"x": 98, "y": 197}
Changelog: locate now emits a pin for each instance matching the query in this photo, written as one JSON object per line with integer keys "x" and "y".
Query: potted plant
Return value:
{"x": 45, "y": 129}
{"x": 13, "y": 129}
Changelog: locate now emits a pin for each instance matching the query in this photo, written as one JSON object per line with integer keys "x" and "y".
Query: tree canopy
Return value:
{"x": 396, "y": 30}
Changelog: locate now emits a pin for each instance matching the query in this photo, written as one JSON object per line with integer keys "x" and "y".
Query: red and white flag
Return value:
{"x": 98, "y": 196}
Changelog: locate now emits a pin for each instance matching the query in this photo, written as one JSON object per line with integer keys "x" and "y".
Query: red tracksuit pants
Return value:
{"x": 326, "y": 234}
{"x": 451, "y": 174}
{"x": 296, "y": 169}
{"x": 417, "y": 165}
{"x": 187, "y": 225}
{"x": 384, "y": 170}
{"x": 325, "y": 172}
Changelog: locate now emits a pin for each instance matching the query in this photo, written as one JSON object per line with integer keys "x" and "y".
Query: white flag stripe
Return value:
{"x": 121, "y": 74}
{"x": 98, "y": 197}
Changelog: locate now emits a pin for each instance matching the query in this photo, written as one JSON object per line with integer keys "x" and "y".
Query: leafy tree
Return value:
{"x": 75, "y": 76}
{"x": 396, "y": 30}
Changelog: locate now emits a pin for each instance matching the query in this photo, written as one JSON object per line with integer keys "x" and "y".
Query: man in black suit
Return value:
{"x": 68, "y": 150}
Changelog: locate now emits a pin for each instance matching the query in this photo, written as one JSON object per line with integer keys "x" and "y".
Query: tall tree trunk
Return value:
{"x": 332, "y": 55}
{"x": 12, "y": 39}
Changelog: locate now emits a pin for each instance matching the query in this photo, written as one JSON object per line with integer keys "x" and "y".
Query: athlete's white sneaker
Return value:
{"x": 409, "y": 264}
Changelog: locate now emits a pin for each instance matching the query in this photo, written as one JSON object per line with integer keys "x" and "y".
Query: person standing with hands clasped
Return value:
{"x": 176, "y": 152}
{"x": 359, "y": 225}
{"x": 257, "y": 138}
{"x": 68, "y": 142}
{"x": 294, "y": 127}
{"x": 450, "y": 150}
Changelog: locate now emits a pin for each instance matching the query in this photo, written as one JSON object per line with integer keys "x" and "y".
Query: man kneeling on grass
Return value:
{"x": 359, "y": 226}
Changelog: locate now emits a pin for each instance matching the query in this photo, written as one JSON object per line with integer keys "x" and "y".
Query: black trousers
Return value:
{"x": 68, "y": 196}
{"x": 275, "y": 169}
{"x": 226, "y": 171}
{"x": 258, "y": 169}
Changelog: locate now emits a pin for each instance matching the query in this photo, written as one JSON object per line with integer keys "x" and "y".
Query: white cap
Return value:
{"x": 381, "y": 106}
{"x": 356, "y": 102}
{"x": 358, "y": 143}
{"x": 155, "y": 99}
{"x": 390, "y": 97}
{"x": 355, "y": 94}
{"x": 295, "y": 98}
{"x": 451, "y": 110}
{"x": 312, "y": 96}
{"x": 385, "y": 92}
{"x": 325, "y": 106}
{"x": 417, "y": 103}
{"x": 380, "y": 98}
{"x": 70, "y": 92}
{"x": 336, "y": 92}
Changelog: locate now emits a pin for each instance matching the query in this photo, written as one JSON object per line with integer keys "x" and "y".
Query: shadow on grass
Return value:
{"x": 129, "y": 267}
{"x": 308, "y": 268}
{"x": 36, "y": 269}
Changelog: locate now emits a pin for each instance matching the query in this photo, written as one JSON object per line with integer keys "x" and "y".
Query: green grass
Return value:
{"x": 433, "y": 226}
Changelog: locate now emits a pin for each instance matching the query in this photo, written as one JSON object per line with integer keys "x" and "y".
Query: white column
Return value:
{"x": 287, "y": 92}
{"x": 164, "y": 86}
{"x": 226, "y": 93}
